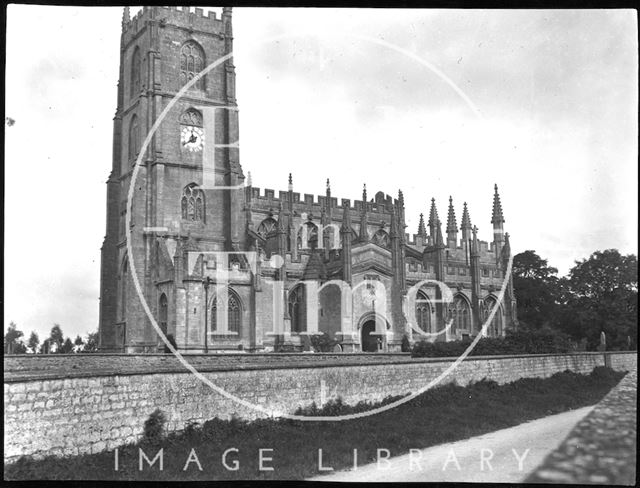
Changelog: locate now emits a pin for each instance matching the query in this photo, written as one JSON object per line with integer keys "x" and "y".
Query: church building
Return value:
{"x": 224, "y": 266}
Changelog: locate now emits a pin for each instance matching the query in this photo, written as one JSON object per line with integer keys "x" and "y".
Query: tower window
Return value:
{"x": 191, "y": 117}
{"x": 191, "y": 63}
{"x": 192, "y": 204}
{"x": 134, "y": 138}
{"x": 135, "y": 73}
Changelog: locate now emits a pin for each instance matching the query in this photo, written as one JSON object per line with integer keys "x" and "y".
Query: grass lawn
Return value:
{"x": 443, "y": 414}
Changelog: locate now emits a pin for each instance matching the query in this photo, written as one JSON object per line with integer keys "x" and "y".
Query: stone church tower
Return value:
{"x": 161, "y": 49}
{"x": 296, "y": 265}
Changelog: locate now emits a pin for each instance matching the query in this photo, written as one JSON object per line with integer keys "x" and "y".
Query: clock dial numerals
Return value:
{"x": 192, "y": 138}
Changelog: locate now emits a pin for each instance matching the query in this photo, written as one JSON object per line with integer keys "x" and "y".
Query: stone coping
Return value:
{"x": 19, "y": 368}
{"x": 601, "y": 449}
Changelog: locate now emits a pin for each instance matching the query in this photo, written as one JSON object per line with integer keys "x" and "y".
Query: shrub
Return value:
{"x": 605, "y": 374}
{"x": 405, "y": 346}
{"x": 542, "y": 341}
{"x": 335, "y": 407}
{"x": 154, "y": 426}
{"x": 323, "y": 342}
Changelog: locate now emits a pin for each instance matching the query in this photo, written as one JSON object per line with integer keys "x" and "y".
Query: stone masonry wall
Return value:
{"x": 63, "y": 416}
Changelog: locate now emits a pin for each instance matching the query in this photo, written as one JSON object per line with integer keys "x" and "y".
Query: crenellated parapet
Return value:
{"x": 195, "y": 20}
{"x": 263, "y": 201}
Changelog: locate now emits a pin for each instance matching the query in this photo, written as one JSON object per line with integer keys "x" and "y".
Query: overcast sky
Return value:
{"x": 446, "y": 102}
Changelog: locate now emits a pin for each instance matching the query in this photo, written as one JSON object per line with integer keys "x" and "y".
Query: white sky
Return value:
{"x": 556, "y": 90}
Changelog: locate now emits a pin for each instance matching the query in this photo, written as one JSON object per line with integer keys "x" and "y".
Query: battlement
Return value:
{"x": 193, "y": 19}
{"x": 268, "y": 196}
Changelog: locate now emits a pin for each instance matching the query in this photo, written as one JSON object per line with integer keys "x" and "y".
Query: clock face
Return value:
{"x": 192, "y": 138}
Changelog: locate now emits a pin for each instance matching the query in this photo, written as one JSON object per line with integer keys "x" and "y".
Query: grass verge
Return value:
{"x": 443, "y": 414}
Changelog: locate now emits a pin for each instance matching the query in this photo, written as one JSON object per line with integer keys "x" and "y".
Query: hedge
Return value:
{"x": 534, "y": 342}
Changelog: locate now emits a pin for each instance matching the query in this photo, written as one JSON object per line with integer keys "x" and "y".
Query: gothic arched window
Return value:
{"x": 495, "y": 327}
{"x": 191, "y": 63}
{"x": 234, "y": 313}
{"x": 191, "y": 117}
{"x": 267, "y": 227}
{"x": 423, "y": 312}
{"x": 381, "y": 238}
{"x": 460, "y": 314}
{"x": 298, "y": 309}
{"x": 484, "y": 314}
{"x": 134, "y": 138}
{"x": 308, "y": 236}
{"x": 163, "y": 313}
{"x": 135, "y": 73}
{"x": 192, "y": 203}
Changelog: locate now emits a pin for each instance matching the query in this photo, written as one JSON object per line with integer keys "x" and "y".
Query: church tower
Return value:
{"x": 174, "y": 214}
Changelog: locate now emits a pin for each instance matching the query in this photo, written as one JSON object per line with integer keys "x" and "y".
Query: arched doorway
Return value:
{"x": 368, "y": 339}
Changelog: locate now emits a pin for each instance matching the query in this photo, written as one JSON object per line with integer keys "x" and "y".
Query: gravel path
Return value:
{"x": 461, "y": 461}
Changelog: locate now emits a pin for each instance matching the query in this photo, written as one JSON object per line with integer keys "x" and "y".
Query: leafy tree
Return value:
{"x": 92, "y": 343}
{"x": 13, "y": 343}
{"x": 33, "y": 342}
{"x": 601, "y": 295}
{"x": 538, "y": 290}
{"x": 67, "y": 346}
{"x": 56, "y": 338}
{"x": 78, "y": 343}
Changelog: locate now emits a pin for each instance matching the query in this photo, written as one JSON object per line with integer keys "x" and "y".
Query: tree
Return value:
{"x": 12, "y": 342}
{"x": 78, "y": 343}
{"x": 92, "y": 343}
{"x": 602, "y": 296}
{"x": 33, "y": 342}
{"x": 67, "y": 346}
{"x": 538, "y": 290}
{"x": 56, "y": 338}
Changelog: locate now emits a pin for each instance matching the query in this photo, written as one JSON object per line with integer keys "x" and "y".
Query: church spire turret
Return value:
{"x": 401, "y": 220}
{"x": 290, "y": 182}
{"x": 466, "y": 220}
{"x": 497, "y": 219}
{"x": 328, "y": 188}
{"x": 476, "y": 323}
{"x": 347, "y": 237}
{"x": 126, "y": 17}
{"x": 422, "y": 230}
{"x": 433, "y": 221}
{"x": 452, "y": 225}
{"x": 466, "y": 230}
{"x": 496, "y": 214}
{"x": 439, "y": 240}
{"x": 364, "y": 234}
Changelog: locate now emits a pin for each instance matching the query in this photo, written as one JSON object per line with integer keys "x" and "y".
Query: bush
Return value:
{"x": 154, "y": 426}
{"x": 335, "y": 407}
{"x": 323, "y": 342}
{"x": 542, "y": 341}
